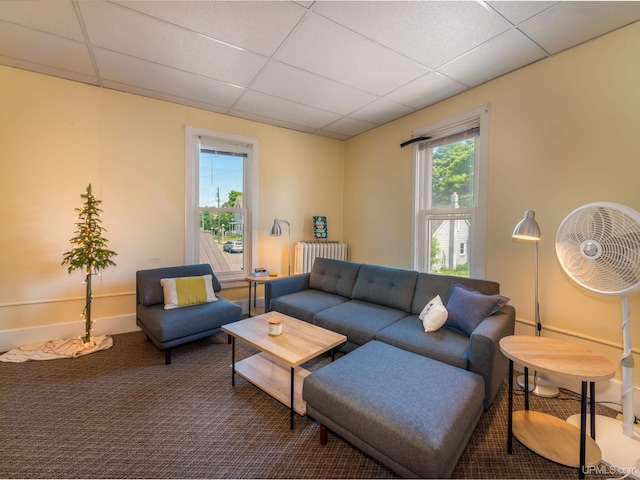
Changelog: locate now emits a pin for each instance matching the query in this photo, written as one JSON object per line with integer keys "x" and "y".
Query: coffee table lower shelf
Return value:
{"x": 553, "y": 438}
{"x": 275, "y": 379}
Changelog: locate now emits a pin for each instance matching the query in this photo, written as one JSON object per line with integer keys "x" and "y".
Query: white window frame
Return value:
{"x": 421, "y": 190}
{"x": 192, "y": 195}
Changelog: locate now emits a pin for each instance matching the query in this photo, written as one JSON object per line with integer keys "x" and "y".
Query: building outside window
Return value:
{"x": 450, "y": 178}
{"x": 220, "y": 203}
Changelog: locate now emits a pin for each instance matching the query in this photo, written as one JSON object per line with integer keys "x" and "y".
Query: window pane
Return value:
{"x": 222, "y": 240}
{"x": 221, "y": 178}
{"x": 452, "y": 177}
{"x": 448, "y": 243}
{"x": 222, "y": 217}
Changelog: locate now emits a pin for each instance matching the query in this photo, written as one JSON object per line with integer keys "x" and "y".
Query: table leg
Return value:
{"x": 233, "y": 361}
{"x": 292, "y": 396}
{"x": 592, "y": 409}
{"x": 510, "y": 419}
{"x": 583, "y": 430}
{"x": 526, "y": 388}
{"x": 249, "y": 298}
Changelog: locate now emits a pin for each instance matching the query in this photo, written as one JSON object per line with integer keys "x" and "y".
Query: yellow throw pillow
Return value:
{"x": 184, "y": 291}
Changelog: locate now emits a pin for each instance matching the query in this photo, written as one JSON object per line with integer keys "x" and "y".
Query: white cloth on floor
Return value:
{"x": 53, "y": 349}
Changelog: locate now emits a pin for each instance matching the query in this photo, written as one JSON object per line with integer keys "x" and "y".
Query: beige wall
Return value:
{"x": 57, "y": 136}
{"x": 564, "y": 132}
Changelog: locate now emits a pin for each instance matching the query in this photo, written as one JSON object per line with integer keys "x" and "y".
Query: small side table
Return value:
{"x": 547, "y": 435}
{"x": 255, "y": 280}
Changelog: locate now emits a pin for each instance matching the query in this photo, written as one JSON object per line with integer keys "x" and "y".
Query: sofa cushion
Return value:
{"x": 429, "y": 285}
{"x": 391, "y": 287}
{"x": 333, "y": 276}
{"x": 304, "y": 305}
{"x": 433, "y": 315}
{"x": 468, "y": 307}
{"x": 445, "y": 345}
{"x": 185, "y": 291}
{"x": 359, "y": 321}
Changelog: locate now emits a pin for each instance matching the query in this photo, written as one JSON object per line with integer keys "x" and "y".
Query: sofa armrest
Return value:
{"x": 284, "y": 286}
{"x": 485, "y": 357}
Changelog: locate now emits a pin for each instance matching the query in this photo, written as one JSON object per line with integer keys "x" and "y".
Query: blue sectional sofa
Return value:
{"x": 408, "y": 393}
{"x": 370, "y": 302}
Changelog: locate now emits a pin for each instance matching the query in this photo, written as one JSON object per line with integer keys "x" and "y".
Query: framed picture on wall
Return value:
{"x": 320, "y": 227}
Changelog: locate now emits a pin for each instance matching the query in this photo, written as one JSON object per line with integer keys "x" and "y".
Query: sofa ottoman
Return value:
{"x": 412, "y": 413}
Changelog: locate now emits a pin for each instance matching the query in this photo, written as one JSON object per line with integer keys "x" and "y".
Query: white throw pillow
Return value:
{"x": 433, "y": 315}
{"x": 185, "y": 291}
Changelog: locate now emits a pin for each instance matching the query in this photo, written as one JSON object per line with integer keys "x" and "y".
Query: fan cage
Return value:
{"x": 598, "y": 246}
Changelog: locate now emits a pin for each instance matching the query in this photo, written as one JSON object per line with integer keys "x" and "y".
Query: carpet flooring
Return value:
{"x": 123, "y": 413}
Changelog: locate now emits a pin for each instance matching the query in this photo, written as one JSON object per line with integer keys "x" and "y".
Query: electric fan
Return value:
{"x": 598, "y": 246}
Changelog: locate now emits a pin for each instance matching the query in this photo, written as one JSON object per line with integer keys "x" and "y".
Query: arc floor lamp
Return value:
{"x": 528, "y": 229}
{"x": 277, "y": 231}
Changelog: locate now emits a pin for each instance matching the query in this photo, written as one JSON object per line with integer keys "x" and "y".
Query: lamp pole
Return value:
{"x": 277, "y": 231}
{"x": 528, "y": 229}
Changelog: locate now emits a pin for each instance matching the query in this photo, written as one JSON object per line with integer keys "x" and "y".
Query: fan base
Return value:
{"x": 620, "y": 452}
{"x": 539, "y": 386}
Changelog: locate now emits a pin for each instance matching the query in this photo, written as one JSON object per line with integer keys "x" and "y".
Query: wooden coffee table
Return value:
{"x": 276, "y": 369}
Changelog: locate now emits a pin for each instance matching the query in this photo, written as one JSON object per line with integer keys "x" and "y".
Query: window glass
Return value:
{"x": 450, "y": 196}
{"x": 219, "y": 202}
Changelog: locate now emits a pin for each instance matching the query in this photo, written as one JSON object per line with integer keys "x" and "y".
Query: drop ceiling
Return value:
{"x": 329, "y": 68}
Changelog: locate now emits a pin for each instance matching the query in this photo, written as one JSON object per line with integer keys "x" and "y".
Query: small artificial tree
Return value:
{"x": 90, "y": 253}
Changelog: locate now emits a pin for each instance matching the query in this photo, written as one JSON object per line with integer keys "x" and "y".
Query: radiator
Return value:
{"x": 307, "y": 252}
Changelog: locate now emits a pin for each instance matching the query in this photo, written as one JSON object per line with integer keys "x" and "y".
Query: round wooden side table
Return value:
{"x": 545, "y": 434}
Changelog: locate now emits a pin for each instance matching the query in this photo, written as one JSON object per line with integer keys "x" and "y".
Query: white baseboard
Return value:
{"x": 103, "y": 326}
{"x": 17, "y": 337}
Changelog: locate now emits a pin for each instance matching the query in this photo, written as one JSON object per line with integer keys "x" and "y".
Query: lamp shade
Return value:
{"x": 527, "y": 228}
{"x": 275, "y": 228}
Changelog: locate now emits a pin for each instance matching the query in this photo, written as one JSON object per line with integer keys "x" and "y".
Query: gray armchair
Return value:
{"x": 170, "y": 328}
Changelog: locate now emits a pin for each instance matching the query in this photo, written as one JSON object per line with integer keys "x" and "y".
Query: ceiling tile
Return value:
{"x": 502, "y": 54}
{"x": 322, "y": 47}
{"x": 139, "y": 35}
{"x": 257, "y": 26}
{"x": 153, "y": 77}
{"x": 58, "y": 18}
{"x": 570, "y": 23}
{"x": 44, "y": 49}
{"x": 271, "y": 121}
{"x": 349, "y": 126}
{"x": 285, "y": 81}
{"x": 279, "y": 109}
{"x": 518, "y": 11}
{"x": 382, "y": 111}
{"x": 48, "y": 70}
{"x": 337, "y": 136}
{"x": 143, "y": 92}
{"x": 431, "y": 32}
{"x": 427, "y": 90}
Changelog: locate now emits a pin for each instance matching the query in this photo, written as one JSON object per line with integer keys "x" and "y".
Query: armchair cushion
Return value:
{"x": 185, "y": 291}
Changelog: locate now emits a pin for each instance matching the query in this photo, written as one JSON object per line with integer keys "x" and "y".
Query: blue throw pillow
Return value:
{"x": 468, "y": 307}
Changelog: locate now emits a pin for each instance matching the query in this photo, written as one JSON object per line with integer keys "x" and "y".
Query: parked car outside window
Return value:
{"x": 233, "y": 246}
